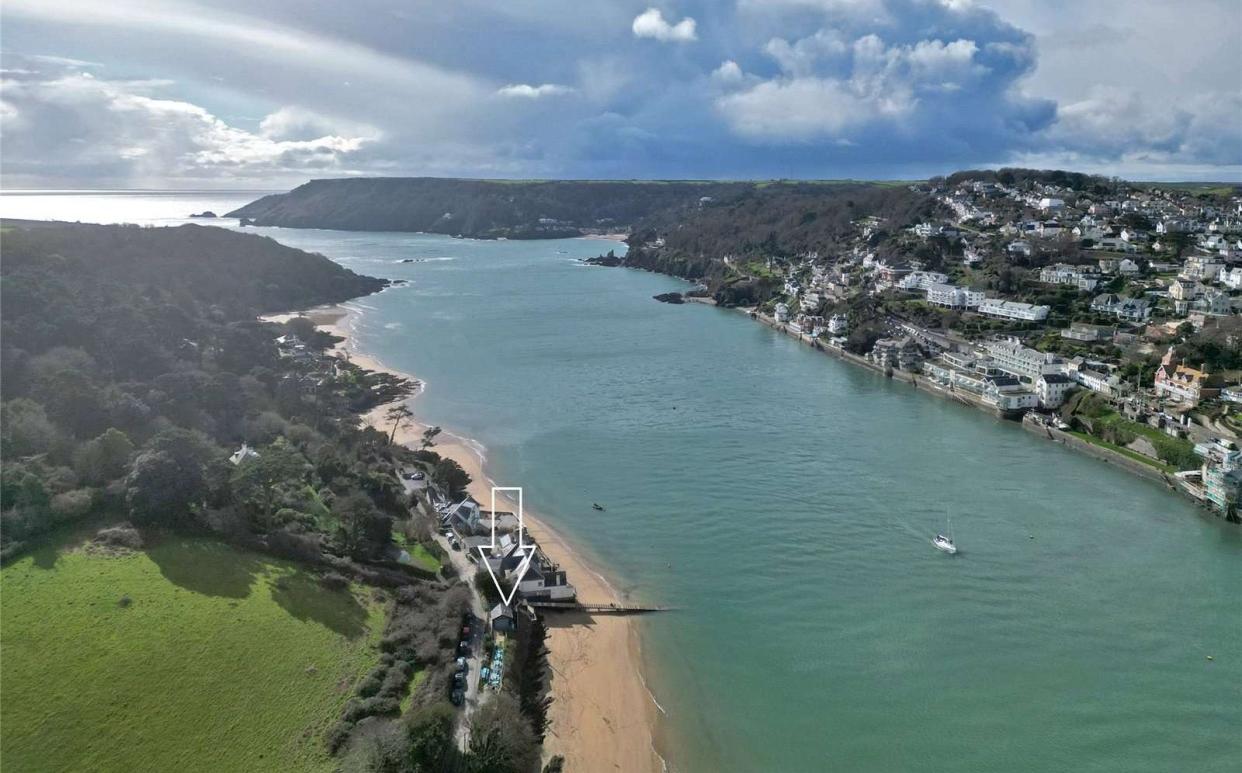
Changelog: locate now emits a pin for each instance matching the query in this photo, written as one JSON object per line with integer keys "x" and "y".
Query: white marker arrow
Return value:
{"x": 528, "y": 551}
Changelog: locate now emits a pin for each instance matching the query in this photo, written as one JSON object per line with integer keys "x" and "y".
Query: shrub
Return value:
{"x": 334, "y": 581}
{"x": 123, "y": 536}
{"x": 72, "y": 505}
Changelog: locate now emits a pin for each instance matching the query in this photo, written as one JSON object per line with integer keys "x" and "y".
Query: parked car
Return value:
{"x": 458, "y": 697}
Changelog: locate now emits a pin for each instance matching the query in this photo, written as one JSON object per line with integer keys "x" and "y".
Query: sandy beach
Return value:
{"x": 602, "y": 717}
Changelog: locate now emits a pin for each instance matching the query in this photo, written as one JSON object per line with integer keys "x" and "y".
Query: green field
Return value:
{"x": 218, "y": 660}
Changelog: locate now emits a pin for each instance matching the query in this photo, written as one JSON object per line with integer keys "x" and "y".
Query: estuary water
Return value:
{"x": 784, "y": 502}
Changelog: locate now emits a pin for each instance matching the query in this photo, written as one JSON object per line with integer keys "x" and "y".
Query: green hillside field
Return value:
{"x": 187, "y": 656}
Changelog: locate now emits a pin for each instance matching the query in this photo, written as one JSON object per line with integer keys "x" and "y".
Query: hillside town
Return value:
{"x": 1104, "y": 318}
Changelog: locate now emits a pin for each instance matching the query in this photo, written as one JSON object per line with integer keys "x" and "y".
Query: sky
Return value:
{"x": 271, "y": 93}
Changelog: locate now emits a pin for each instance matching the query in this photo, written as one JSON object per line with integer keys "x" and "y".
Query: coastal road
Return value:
{"x": 465, "y": 570}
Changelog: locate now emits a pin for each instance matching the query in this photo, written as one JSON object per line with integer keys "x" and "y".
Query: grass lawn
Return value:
{"x": 222, "y": 660}
{"x": 420, "y": 556}
{"x": 1159, "y": 465}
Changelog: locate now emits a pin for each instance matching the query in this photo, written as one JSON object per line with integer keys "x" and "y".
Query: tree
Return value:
{"x": 501, "y": 739}
{"x": 429, "y": 437}
{"x": 25, "y": 429}
{"x": 364, "y": 530}
{"x": 159, "y": 489}
{"x": 167, "y": 478}
{"x": 260, "y": 483}
{"x": 104, "y": 458}
{"x": 451, "y": 475}
{"x": 431, "y": 738}
{"x": 398, "y": 414}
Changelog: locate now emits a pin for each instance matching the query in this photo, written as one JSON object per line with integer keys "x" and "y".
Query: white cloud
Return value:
{"x": 527, "y": 91}
{"x": 805, "y": 109}
{"x": 728, "y": 73}
{"x": 297, "y": 123}
{"x": 651, "y": 24}
{"x": 118, "y": 132}
{"x": 245, "y": 36}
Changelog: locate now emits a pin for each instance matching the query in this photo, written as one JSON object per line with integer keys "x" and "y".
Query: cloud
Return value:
{"x": 526, "y": 91}
{"x": 184, "y": 94}
{"x": 77, "y": 125}
{"x": 806, "y": 108}
{"x": 651, "y": 24}
{"x": 728, "y": 73}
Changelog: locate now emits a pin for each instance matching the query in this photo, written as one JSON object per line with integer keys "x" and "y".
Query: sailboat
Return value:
{"x": 944, "y": 543}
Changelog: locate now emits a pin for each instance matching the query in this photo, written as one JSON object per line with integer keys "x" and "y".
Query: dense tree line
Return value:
{"x": 134, "y": 365}
{"x": 476, "y": 208}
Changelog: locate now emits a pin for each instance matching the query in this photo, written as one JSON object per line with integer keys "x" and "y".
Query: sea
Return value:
{"x": 784, "y": 501}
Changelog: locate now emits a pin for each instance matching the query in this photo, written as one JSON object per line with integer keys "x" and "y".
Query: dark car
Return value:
{"x": 458, "y": 697}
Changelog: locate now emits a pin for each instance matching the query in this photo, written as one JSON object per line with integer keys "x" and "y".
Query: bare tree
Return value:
{"x": 398, "y": 414}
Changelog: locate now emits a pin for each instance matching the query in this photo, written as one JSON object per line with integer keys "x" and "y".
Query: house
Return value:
{"x": 1175, "y": 380}
{"x": 1008, "y": 394}
{"x": 921, "y": 280}
{"x": 1231, "y": 278}
{"x": 838, "y": 325}
{"x": 1127, "y": 267}
{"x": 1065, "y": 274}
{"x": 1184, "y": 289}
{"x": 1051, "y": 205}
{"x": 1213, "y": 302}
{"x": 1097, "y": 376}
{"x": 1130, "y": 309}
{"x": 953, "y": 297}
{"x": 1002, "y": 309}
{"x": 545, "y": 581}
{"x": 464, "y": 517}
{"x": 1081, "y": 331}
{"x": 502, "y": 619}
{"x": 901, "y": 353}
{"x": 242, "y": 454}
{"x": 1222, "y": 473}
{"x": 1051, "y": 389}
{"x": 781, "y": 314}
{"x": 1019, "y": 248}
{"x": 1050, "y": 228}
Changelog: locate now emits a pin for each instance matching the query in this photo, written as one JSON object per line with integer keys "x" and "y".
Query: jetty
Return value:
{"x": 613, "y": 609}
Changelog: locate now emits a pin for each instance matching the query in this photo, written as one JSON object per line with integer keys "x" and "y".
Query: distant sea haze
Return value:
{"x": 785, "y": 502}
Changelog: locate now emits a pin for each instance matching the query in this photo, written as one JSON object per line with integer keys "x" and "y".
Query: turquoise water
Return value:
{"x": 784, "y": 501}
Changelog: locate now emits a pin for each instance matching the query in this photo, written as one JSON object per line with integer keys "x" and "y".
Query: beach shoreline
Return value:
{"x": 602, "y": 715}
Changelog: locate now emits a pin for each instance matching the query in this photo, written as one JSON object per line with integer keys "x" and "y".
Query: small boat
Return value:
{"x": 944, "y": 543}
{"x": 597, "y": 506}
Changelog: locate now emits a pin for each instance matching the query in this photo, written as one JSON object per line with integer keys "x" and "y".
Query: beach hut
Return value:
{"x": 502, "y": 619}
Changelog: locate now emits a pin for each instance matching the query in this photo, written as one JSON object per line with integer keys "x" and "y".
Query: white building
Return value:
{"x": 1051, "y": 205}
{"x": 921, "y": 280}
{"x": 954, "y": 297}
{"x": 1002, "y": 309}
{"x": 1052, "y": 388}
{"x": 1231, "y": 278}
{"x": 1019, "y": 248}
{"x": 1065, "y": 274}
{"x": 1012, "y": 357}
{"x": 838, "y": 325}
{"x": 781, "y": 314}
